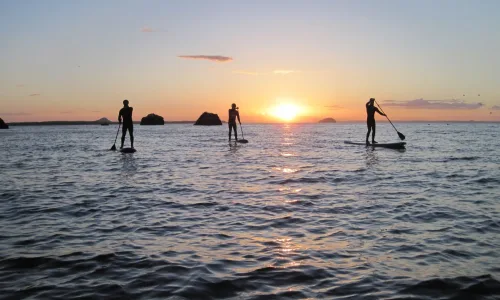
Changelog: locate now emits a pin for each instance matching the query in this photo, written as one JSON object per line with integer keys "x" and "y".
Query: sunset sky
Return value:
{"x": 78, "y": 60}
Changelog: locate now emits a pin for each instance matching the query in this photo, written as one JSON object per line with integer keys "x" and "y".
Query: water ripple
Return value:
{"x": 294, "y": 214}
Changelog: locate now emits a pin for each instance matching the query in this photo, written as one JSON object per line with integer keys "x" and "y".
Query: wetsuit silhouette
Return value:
{"x": 370, "y": 120}
{"x": 233, "y": 114}
{"x": 126, "y": 115}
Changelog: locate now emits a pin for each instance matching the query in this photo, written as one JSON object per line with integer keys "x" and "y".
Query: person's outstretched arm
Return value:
{"x": 238, "y": 115}
{"x": 376, "y": 109}
{"x": 120, "y": 117}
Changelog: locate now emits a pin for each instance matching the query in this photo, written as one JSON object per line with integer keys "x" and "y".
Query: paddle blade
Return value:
{"x": 243, "y": 141}
{"x": 113, "y": 148}
{"x": 401, "y": 136}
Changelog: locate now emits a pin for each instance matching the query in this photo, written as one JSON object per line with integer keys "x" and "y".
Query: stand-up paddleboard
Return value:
{"x": 242, "y": 141}
{"x": 398, "y": 145}
{"x": 127, "y": 150}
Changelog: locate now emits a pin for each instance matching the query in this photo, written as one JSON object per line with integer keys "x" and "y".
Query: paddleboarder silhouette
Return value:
{"x": 126, "y": 115}
{"x": 370, "y": 120}
{"x": 233, "y": 114}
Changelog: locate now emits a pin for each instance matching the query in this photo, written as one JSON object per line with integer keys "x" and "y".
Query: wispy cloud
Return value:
{"x": 16, "y": 114}
{"x": 66, "y": 112}
{"x": 215, "y": 58}
{"x": 148, "y": 29}
{"x": 34, "y": 95}
{"x": 433, "y": 104}
{"x": 20, "y": 85}
{"x": 246, "y": 72}
{"x": 334, "y": 107}
{"x": 96, "y": 111}
{"x": 496, "y": 107}
{"x": 285, "y": 72}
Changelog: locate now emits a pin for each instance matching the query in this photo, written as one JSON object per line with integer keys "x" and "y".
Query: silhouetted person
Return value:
{"x": 126, "y": 115}
{"x": 370, "y": 120}
{"x": 233, "y": 114}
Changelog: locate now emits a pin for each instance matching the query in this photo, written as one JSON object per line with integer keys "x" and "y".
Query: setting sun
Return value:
{"x": 285, "y": 112}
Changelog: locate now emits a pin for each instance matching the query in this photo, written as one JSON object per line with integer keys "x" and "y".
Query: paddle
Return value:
{"x": 243, "y": 141}
{"x": 401, "y": 136}
{"x": 113, "y": 148}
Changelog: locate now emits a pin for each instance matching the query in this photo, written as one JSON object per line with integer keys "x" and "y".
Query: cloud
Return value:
{"x": 285, "y": 72}
{"x": 16, "y": 114}
{"x": 34, "y": 95}
{"x": 148, "y": 29}
{"x": 96, "y": 111}
{"x": 433, "y": 104}
{"x": 496, "y": 107}
{"x": 66, "y": 112}
{"x": 246, "y": 72}
{"x": 334, "y": 107}
{"x": 215, "y": 58}
{"x": 20, "y": 85}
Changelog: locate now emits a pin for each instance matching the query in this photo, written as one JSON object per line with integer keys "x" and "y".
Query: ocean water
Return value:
{"x": 293, "y": 214}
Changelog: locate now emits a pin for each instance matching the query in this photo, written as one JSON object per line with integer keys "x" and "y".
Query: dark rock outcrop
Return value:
{"x": 103, "y": 121}
{"x": 3, "y": 125}
{"x": 152, "y": 119}
{"x": 328, "y": 120}
{"x": 207, "y": 118}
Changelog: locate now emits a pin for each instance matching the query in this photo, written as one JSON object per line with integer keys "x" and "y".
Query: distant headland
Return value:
{"x": 98, "y": 122}
{"x": 328, "y": 120}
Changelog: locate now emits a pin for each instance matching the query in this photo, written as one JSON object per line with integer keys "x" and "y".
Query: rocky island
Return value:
{"x": 208, "y": 119}
{"x": 328, "y": 120}
{"x": 104, "y": 121}
{"x": 3, "y": 125}
{"x": 152, "y": 119}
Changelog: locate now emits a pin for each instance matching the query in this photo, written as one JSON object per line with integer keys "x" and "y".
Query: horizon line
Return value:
{"x": 95, "y": 122}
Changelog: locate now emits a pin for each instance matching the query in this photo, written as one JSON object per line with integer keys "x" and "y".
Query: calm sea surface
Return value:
{"x": 293, "y": 214}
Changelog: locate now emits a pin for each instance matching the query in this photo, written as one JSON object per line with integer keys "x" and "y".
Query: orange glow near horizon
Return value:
{"x": 253, "y": 109}
{"x": 285, "y": 112}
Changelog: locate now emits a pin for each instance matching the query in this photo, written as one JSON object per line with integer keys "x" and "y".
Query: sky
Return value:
{"x": 421, "y": 60}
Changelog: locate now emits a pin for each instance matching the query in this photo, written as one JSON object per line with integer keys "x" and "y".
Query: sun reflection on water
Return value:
{"x": 286, "y": 170}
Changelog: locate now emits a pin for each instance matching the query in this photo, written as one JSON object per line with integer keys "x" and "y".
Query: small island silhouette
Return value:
{"x": 328, "y": 120}
{"x": 104, "y": 121}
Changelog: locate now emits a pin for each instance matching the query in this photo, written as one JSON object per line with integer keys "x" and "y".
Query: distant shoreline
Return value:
{"x": 53, "y": 123}
{"x": 65, "y": 123}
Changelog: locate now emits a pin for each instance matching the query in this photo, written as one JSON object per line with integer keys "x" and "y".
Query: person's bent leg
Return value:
{"x": 235, "y": 132}
{"x": 368, "y": 133}
{"x": 131, "y": 133}
{"x": 373, "y": 134}
{"x": 124, "y": 132}
{"x": 229, "y": 126}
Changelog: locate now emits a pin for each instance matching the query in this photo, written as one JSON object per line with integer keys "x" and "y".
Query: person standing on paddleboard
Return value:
{"x": 126, "y": 115}
{"x": 233, "y": 114}
{"x": 370, "y": 120}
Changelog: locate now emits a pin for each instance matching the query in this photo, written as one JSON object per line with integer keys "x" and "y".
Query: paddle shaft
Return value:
{"x": 386, "y": 116}
{"x": 241, "y": 128}
{"x": 117, "y": 133}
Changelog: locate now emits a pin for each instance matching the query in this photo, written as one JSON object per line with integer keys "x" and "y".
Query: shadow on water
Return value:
{"x": 371, "y": 157}
{"x": 129, "y": 165}
{"x": 233, "y": 147}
